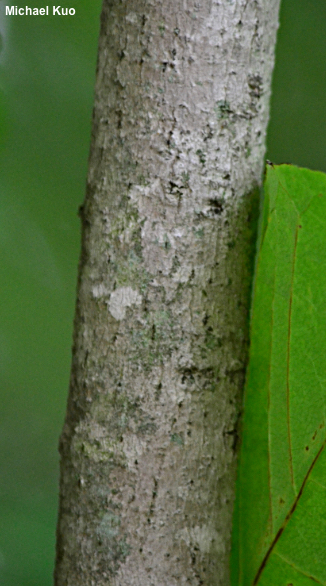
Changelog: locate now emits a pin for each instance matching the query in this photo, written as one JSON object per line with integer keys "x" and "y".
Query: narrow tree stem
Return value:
{"x": 149, "y": 444}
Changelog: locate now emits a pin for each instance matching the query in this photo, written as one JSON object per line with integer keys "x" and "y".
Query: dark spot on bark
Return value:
{"x": 205, "y": 319}
{"x": 119, "y": 118}
{"x": 201, "y": 156}
{"x": 187, "y": 374}
{"x": 146, "y": 305}
{"x": 152, "y": 505}
{"x": 234, "y": 434}
{"x": 147, "y": 425}
{"x": 255, "y": 83}
{"x": 209, "y": 134}
{"x": 236, "y": 376}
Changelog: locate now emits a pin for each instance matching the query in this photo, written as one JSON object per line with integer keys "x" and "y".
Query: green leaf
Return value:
{"x": 279, "y": 535}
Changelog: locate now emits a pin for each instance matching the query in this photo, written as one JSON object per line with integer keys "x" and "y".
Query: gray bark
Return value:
{"x": 148, "y": 449}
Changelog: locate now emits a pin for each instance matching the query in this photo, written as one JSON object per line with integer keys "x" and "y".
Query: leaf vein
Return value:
{"x": 288, "y": 517}
{"x": 299, "y": 569}
{"x": 288, "y": 359}
{"x": 269, "y": 406}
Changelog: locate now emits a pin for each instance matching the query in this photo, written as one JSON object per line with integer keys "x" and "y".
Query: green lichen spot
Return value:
{"x": 185, "y": 178}
{"x": 198, "y": 233}
{"x": 167, "y": 243}
{"x": 212, "y": 341}
{"x": 177, "y": 439}
{"x": 109, "y": 526}
{"x": 222, "y": 109}
{"x": 115, "y": 548}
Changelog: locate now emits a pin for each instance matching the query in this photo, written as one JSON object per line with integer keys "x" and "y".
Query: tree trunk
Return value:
{"x": 149, "y": 443}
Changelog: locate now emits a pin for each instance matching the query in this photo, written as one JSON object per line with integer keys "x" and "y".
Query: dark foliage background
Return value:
{"x": 47, "y": 78}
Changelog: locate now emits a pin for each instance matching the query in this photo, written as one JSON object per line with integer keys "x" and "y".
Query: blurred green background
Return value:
{"x": 47, "y": 79}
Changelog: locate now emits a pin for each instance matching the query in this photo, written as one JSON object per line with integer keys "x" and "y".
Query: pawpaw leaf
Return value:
{"x": 279, "y": 532}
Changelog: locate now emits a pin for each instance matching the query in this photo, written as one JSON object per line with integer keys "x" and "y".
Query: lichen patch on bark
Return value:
{"x": 122, "y": 298}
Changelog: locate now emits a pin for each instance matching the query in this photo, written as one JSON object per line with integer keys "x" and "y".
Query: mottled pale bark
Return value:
{"x": 149, "y": 443}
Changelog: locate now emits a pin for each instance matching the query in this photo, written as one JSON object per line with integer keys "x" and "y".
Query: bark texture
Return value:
{"x": 149, "y": 443}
